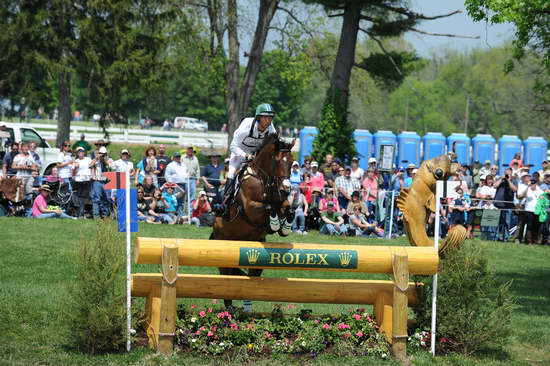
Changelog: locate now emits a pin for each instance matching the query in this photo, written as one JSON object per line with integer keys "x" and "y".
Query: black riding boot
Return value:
{"x": 227, "y": 193}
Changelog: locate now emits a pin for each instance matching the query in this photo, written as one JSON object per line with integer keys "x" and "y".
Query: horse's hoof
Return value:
{"x": 274, "y": 223}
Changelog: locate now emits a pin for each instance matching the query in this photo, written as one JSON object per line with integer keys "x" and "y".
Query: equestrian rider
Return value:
{"x": 247, "y": 139}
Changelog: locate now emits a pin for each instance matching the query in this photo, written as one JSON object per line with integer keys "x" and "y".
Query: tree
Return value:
{"x": 532, "y": 22}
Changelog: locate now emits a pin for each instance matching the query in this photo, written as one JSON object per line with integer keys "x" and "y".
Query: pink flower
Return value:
{"x": 347, "y": 335}
{"x": 343, "y": 326}
{"x": 209, "y": 310}
{"x": 198, "y": 332}
{"x": 369, "y": 319}
{"x": 202, "y": 328}
{"x": 234, "y": 326}
{"x": 202, "y": 314}
{"x": 316, "y": 321}
{"x": 356, "y": 316}
{"x": 213, "y": 328}
{"x": 193, "y": 306}
{"x": 326, "y": 326}
{"x": 268, "y": 335}
{"x": 359, "y": 334}
{"x": 221, "y": 315}
{"x": 210, "y": 334}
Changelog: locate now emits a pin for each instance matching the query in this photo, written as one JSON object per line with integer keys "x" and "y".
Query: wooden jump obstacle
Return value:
{"x": 389, "y": 298}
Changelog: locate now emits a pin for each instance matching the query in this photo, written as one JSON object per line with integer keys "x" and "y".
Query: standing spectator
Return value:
{"x": 504, "y": 200}
{"x": 332, "y": 222}
{"x": 356, "y": 171}
{"x": 486, "y": 194}
{"x": 101, "y": 203}
{"x": 25, "y": 165}
{"x": 83, "y": 144}
{"x": 82, "y": 179}
{"x": 370, "y": 190}
{"x": 7, "y": 169}
{"x": 532, "y": 195}
{"x": 520, "y": 206}
{"x": 485, "y": 169}
{"x": 211, "y": 178}
{"x": 201, "y": 207}
{"x": 516, "y": 160}
{"x": 299, "y": 204}
{"x": 544, "y": 166}
{"x": 151, "y": 164}
{"x": 515, "y": 167}
{"x": 166, "y": 125}
{"x": 317, "y": 178}
{"x": 193, "y": 170}
{"x": 124, "y": 164}
{"x": 329, "y": 197}
{"x": 176, "y": 172}
{"x": 40, "y": 208}
{"x": 345, "y": 186}
{"x": 326, "y": 166}
{"x": 411, "y": 172}
{"x": 476, "y": 173}
{"x": 54, "y": 176}
{"x": 98, "y": 145}
{"x": 330, "y": 178}
{"x": 494, "y": 172}
{"x": 544, "y": 229}
{"x": 295, "y": 174}
{"x": 37, "y": 179}
{"x": 397, "y": 181}
{"x": 163, "y": 161}
{"x": 307, "y": 166}
{"x": 65, "y": 162}
{"x": 458, "y": 209}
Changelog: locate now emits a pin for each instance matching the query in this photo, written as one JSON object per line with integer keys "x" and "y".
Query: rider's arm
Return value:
{"x": 238, "y": 136}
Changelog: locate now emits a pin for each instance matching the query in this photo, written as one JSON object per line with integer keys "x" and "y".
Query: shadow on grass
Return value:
{"x": 531, "y": 289}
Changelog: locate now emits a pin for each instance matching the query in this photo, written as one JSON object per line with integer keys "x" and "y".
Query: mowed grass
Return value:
{"x": 37, "y": 262}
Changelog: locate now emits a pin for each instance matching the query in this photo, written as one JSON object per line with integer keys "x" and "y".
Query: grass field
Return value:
{"x": 36, "y": 263}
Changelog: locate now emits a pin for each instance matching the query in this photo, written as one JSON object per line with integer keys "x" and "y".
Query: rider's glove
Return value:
{"x": 249, "y": 157}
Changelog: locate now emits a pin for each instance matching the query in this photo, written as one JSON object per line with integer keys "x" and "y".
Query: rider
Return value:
{"x": 247, "y": 139}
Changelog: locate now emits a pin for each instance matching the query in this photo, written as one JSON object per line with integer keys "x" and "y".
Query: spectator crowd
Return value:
{"x": 330, "y": 196}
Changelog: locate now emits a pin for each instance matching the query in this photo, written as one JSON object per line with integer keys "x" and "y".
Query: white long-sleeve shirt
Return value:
{"x": 176, "y": 172}
{"x": 247, "y": 139}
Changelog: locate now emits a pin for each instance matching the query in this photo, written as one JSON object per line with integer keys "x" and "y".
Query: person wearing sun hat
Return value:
{"x": 317, "y": 177}
{"x": 40, "y": 208}
{"x": 295, "y": 174}
{"x": 124, "y": 164}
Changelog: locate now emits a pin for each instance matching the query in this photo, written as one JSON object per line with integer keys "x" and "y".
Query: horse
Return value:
{"x": 259, "y": 195}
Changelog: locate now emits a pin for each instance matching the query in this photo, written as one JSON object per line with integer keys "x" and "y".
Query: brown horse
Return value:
{"x": 260, "y": 194}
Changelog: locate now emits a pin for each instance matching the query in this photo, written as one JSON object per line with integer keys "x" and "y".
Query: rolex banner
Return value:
{"x": 310, "y": 258}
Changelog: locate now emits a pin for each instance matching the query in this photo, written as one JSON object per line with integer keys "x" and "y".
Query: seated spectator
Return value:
{"x": 148, "y": 187}
{"x": 314, "y": 214}
{"x": 54, "y": 176}
{"x": 317, "y": 178}
{"x": 201, "y": 207}
{"x": 356, "y": 200}
{"x": 40, "y": 209}
{"x": 162, "y": 209}
{"x": 360, "y": 226}
{"x": 299, "y": 204}
{"x": 306, "y": 168}
{"x": 494, "y": 172}
{"x": 356, "y": 171}
{"x": 332, "y": 222}
{"x": 295, "y": 174}
{"x": 326, "y": 166}
{"x": 144, "y": 210}
{"x": 329, "y": 197}
{"x": 171, "y": 198}
{"x": 331, "y": 176}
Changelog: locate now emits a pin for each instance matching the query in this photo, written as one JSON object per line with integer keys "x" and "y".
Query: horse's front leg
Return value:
{"x": 287, "y": 213}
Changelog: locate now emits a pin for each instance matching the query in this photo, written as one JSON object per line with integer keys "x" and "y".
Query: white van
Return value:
{"x": 189, "y": 123}
{"x": 20, "y": 132}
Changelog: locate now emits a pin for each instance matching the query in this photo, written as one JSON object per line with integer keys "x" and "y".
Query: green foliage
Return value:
{"x": 335, "y": 133}
{"x": 95, "y": 305}
{"x": 383, "y": 70}
{"x": 474, "y": 310}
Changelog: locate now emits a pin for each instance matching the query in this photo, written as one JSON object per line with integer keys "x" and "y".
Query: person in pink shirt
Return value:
{"x": 40, "y": 206}
{"x": 370, "y": 189}
{"x": 317, "y": 177}
{"x": 329, "y": 197}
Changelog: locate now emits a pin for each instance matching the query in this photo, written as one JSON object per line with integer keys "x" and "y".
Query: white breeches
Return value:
{"x": 235, "y": 162}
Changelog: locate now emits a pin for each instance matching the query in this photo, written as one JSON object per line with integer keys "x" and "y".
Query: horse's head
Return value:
{"x": 275, "y": 157}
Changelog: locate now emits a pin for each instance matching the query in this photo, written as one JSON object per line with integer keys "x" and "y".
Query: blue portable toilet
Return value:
{"x": 534, "y": 152}
{"x": 462, "y": 147}
{"x": 508, "y": 146}
{"x": 383, "y": 138}
{"x": 408, "y": 149}
{"x": 363, "y": 145}
{"x": 307, "y": 135}
{"x": 484, "y": 148}
{"x": 434, "y": 145}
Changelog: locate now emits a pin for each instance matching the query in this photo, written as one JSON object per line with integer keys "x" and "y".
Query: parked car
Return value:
{"x": 189, "y": 123}
{"x": 18, "y": 132}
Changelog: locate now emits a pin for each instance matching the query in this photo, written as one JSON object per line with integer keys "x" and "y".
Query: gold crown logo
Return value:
{"x": 253, "y": 256}
{"x": 345, "y": 258}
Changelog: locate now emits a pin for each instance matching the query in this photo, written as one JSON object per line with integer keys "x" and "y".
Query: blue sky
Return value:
{"x": 490, "y": 35}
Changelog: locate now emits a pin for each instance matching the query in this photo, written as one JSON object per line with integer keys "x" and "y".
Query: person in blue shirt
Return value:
{"x": 295, "y": 174}
{"x": 211, "y": 178}
{"x": 411, "y": 172}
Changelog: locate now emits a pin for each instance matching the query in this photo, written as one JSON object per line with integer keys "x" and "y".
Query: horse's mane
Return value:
{"x": 274, "y": 139}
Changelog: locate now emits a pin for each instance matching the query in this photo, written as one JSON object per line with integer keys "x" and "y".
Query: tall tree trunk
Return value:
{"x": 345, "y": 58}
{"x": 238, "y": 94}
{"x": 64, "y": 115}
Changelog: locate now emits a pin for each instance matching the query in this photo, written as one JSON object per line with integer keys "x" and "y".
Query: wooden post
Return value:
{"x": 400, "y": 309}
{"x": 152, "y": 314}
{"x": 167, "y": 326}
{"x": 383, "y": 314}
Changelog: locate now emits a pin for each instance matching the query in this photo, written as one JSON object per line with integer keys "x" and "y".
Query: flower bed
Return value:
{"x": 218, "y": 331}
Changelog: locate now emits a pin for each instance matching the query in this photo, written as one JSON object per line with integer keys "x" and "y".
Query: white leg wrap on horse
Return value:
{"x": 274, "y": 223}
{"x": 286, "y": 228}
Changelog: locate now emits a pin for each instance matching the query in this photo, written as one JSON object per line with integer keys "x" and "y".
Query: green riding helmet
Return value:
{"x": 265, "y": 110}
